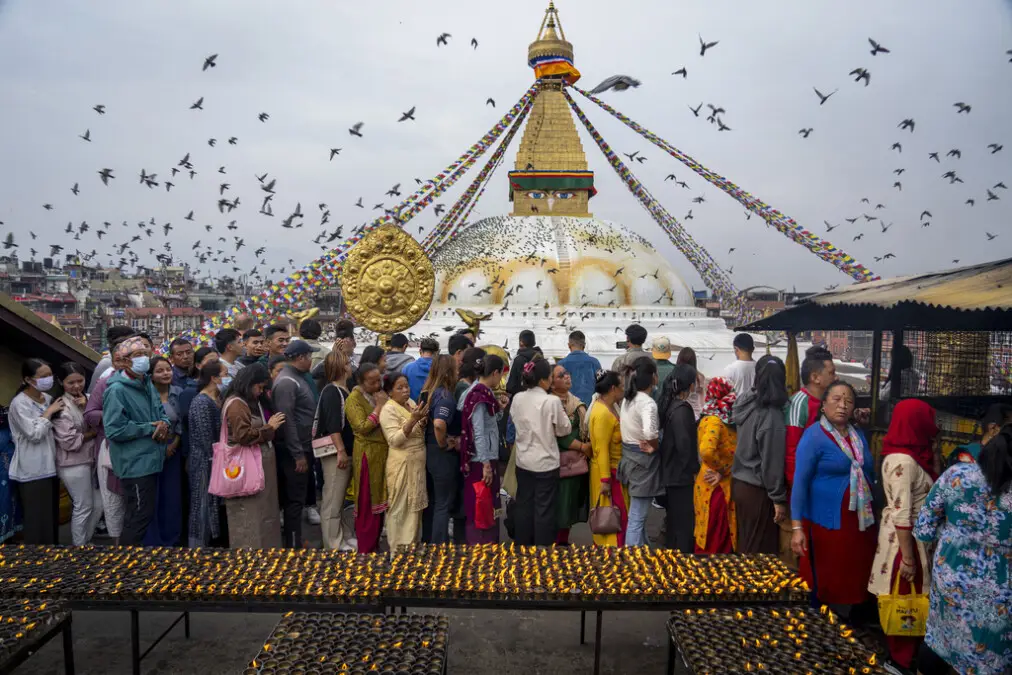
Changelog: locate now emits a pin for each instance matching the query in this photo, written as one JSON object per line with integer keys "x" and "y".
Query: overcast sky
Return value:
{"x": 319, "y": 66}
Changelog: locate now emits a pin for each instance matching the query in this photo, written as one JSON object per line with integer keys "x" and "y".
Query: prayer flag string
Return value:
{"x": 289, "y": 293}
{"x": 712, "y": 275}
{"x": 786, "y": 225}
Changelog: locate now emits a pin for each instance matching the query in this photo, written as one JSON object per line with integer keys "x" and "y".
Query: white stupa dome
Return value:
{"x": 557, "y": 274}
{"x": 562, "y": 261}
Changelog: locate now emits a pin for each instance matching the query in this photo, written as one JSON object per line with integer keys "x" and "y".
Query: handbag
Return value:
{"x": 484, "y": 506}
{"x": 323, "y": 447}
{"x": 605, "y": 519}
{"x": 573, "y": 463}
{"x": 903, "y": 615}
{"x": 236, "y": 470}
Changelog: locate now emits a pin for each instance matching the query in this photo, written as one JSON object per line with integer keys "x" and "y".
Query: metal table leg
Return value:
{"x": 597, "y": 643}
{"x": 583, "y": 627}
{"x": 68, "y": 648}
{"x": 135, "y": 642}
{"x": 186, "y": 624}
{"x": 670, "y": 670}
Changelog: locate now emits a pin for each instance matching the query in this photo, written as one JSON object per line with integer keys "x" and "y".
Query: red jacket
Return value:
{"x": 802, "y": 412}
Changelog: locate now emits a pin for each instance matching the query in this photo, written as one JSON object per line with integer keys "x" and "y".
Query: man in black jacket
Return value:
{"x": 526, "y": 353}
{"x": 293, "y": 396}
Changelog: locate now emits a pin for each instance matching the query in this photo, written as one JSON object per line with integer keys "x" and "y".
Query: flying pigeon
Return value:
{"x": 616, "y": 82}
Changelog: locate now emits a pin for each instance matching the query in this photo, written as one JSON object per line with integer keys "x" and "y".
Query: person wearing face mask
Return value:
{"x": 206, "y": 517}
{"x": 33, "y": 465}
{"x": 138, "y": 432}
{"x": 75, "y": 454}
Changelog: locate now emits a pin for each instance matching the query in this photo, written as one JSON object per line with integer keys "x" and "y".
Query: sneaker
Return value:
{"x": 348, "y": 547}
{"x": 654, "y": 504}
{"x": 312, "y": 515}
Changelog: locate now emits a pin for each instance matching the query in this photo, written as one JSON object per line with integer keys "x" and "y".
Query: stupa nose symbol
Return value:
{"x": 551, "y": 203}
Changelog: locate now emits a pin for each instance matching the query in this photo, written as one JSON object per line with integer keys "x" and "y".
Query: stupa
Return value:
{"x": 550, "y": 266}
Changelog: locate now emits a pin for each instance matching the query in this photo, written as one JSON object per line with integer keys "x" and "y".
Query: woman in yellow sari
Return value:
{"x": 606, "y": 449}
{"x": 369, "y": 456}
{"x": 716, "y": 529}
{"x": 403, "y": 425}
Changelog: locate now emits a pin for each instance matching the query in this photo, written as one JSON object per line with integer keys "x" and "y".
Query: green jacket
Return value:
{"x": 664, "y": 368}
{"x": 130, "y": 409}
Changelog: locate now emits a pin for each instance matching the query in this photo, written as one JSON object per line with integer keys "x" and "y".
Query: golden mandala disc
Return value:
{"x": 387, "y": 280}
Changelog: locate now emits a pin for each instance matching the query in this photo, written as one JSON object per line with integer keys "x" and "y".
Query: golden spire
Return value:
{"x": 548, "y": 44}
{"x": 551, "y": 176}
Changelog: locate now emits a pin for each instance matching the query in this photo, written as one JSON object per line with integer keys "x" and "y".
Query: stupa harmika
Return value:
{"x": 551, "y": 262}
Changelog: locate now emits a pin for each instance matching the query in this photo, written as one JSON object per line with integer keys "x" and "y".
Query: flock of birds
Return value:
{"x": 991, "y": 193}
{"x": 125, "y": 245}
{"x": 219, "y": 243}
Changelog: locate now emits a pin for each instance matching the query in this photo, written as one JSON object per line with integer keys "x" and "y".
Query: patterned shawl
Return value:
{"x": 860, "y": 491}
{"x": 479, "y": 395}
{"x": 720, "y": 398}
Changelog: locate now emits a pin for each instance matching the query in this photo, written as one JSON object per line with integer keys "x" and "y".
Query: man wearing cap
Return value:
{"x": 661, "y": 351}
{"x": 293, "y": 396}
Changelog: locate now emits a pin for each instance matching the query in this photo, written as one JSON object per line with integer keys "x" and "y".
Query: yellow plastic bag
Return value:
{"x": 903, "y": 615}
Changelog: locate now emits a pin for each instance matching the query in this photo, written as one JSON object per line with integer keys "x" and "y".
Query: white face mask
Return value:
{"x": 44, "y": 383}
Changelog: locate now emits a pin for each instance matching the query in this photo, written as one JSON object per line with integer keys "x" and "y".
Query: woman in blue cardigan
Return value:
{"x": 834, "y": 526}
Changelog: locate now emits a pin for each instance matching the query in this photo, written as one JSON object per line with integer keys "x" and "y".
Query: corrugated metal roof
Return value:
{"x": 978, "y": 287}
{"x": 976, "y": 298}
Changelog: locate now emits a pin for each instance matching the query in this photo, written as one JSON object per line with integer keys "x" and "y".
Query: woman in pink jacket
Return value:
{"x": 75, "y": 454}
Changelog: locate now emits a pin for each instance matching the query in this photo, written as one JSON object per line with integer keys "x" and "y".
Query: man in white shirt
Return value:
{"x": 540, "y": 420}
{"x": 741, "y": 373}
{"x": 228, "y": 342}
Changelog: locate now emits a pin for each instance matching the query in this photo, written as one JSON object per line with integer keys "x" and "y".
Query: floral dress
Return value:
{"x": 717, "y": 442}
{"x": 970, "y": 620}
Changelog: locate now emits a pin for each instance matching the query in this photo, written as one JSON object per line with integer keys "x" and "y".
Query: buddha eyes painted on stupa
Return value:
{"x": 564, "y": 195}
{"x": 536, "y": 195}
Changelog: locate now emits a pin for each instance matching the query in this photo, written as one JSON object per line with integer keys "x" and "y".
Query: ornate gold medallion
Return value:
{"x": 387, "y": 280}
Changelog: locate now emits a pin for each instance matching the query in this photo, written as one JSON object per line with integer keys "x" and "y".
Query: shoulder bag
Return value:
{"x": 236, "y": 470}
{"x": 324, "y": 447}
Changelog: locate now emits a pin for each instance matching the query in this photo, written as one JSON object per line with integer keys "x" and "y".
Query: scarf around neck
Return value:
{"x": 860, "y": 490}
{"x": 478, "y": 396}
{"x": 720, "y": 398}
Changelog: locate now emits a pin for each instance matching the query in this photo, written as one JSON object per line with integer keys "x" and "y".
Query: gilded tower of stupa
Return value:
{"x": 549, "y": 265}
{"x": 551, "y": 176}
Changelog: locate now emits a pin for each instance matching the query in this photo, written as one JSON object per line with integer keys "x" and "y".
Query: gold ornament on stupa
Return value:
{"x": 387, "y": 281}
{"x": 551, "y": 177}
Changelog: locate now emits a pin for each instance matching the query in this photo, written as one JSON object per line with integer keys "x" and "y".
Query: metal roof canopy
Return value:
{"x": 975, "y": 298}
{"x": 27, "y": 334}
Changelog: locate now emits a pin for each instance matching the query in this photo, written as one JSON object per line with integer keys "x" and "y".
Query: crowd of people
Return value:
{"x": 450, "y": 446}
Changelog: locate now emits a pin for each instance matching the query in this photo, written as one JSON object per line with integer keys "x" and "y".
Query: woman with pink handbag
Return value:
{"x": 253, "y": 520}
{"x": 573, "y": 503}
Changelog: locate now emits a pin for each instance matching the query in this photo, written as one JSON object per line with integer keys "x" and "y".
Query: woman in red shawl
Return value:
{"x": 908, "y": 470}
{"x": 479, "y": 453}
